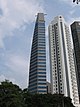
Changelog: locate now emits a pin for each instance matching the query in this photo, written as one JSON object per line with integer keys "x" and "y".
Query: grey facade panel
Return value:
{"x": 37, "y": 71}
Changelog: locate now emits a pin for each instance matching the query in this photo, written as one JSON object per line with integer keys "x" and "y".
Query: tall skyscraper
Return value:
{"x": 37, "y": 72}
{"x": 63, "y": 77}
{"x": 75, "y": 28}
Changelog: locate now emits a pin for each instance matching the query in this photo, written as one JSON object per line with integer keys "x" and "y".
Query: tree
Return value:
{"x": 10, "y": 95}
{"x": 47, "y": 100}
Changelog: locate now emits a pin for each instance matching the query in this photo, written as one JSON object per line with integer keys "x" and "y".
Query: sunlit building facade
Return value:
{"x": 62, "y": 69}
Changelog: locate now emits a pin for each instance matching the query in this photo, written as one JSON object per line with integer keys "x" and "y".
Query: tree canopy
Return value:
{"x": 12, "y": 96}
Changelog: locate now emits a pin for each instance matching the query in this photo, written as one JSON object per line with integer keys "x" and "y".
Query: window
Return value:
{"x": 61, "y": 91}
{"x": 56, "y": 78}
{"x": 60, "y": 76}
{"x": 61, "y": 87}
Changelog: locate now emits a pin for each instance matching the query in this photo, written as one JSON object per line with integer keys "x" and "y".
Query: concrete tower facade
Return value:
{"x": 37, "y": 71}
{"x": 63, "y": 77}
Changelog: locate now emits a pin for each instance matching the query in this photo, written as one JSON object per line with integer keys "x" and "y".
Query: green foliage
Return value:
{"x": 47, "y": 100}
{"x": 12, "y": 96}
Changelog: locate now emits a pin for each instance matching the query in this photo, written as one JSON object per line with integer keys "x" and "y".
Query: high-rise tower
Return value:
{"x": 75, "y": 28}
{"x": 37, "y": 71}
{"x": 63, "y": 77}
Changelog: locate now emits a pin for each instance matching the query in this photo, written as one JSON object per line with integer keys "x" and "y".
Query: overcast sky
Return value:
{"x": 17, "y": 19}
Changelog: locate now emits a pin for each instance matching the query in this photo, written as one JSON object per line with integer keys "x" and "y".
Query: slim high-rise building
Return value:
{"x": 63, "y": 77}
{"x": 75, "y": 28}
{"x": 37, "y": 71}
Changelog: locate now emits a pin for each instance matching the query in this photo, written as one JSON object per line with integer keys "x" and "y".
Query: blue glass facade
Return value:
{"x": 37, "y": 71}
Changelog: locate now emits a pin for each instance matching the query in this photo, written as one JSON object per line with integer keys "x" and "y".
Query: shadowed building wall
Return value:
{"x": 75, "y": 29}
